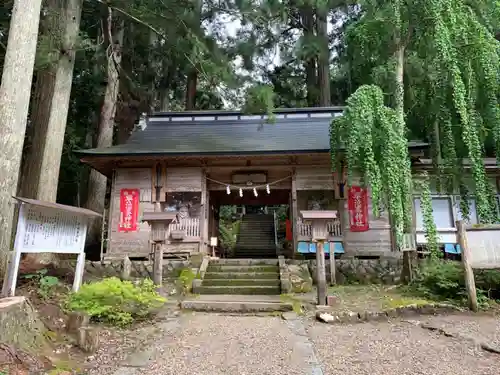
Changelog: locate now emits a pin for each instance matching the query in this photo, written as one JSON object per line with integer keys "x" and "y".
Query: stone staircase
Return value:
{"x": 256, "y": 237}
{"x": 241, "y": 277}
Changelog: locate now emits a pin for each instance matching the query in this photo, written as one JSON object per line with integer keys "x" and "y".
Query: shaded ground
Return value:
{"x": 212, "y": 344}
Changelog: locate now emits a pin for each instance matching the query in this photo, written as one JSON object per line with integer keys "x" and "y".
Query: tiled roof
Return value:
{"x": 226, "y": 133}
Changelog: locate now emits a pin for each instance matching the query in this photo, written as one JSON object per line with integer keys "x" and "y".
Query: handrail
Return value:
{"x": 275, "y": 229}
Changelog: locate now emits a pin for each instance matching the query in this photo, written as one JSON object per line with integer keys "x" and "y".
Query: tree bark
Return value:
{"x": 307, "y": 18}
{"x": 43, "y": 160}
{"x": 323, "y": 58}
{"x": 191, "y": 85}
{"x": 97, "y": 182}
{"x": 15, "y": 90}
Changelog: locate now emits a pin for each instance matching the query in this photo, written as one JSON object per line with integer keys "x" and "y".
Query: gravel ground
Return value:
{"x": 483, "y": 328}
{"x": 396, "y": 348}
{"x": 213, "y": 344}
{"x": 206, "y": 344}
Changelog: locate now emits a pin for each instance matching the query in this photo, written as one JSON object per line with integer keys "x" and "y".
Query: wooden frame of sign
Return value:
{"x": 45, "y": 227}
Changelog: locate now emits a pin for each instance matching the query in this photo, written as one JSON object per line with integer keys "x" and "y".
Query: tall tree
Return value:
{"x": 451, "y": 45}
{"x": 113, "y": 31}
{"x": 14, "y": 102}
{"x": 43, "y": 159}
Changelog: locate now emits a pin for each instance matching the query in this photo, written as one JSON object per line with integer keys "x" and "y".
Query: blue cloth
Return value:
{"x": 449, "y": 248}
{"x": 459, "y": 249}
{"x": 310, "y": 247}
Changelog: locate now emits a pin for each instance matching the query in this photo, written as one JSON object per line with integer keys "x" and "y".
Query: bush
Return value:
{"x": 446, "y": 280}
{"x": 115, "y": 301}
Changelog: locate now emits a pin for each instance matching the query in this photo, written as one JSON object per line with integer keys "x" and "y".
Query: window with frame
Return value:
{"x": 441, "y": 211}
{"x": 473, "y": 219}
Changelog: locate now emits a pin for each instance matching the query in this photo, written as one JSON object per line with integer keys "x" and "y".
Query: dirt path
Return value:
{"x": 212, "y": 344}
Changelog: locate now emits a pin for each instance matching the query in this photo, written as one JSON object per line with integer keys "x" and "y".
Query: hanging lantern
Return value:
{"x": 241, "y": 193}
{"x": 255, "y": 192}
{"x": 228, "y": 191}
{"x": 268, "y": 190}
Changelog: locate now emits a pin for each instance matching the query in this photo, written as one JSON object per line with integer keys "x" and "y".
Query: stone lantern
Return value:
{"x": 319, "y": 220}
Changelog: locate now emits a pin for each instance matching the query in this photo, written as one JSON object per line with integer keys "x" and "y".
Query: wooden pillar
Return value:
{"x": 295, "y": 212}
{"x": 158, "y": 264}
{"x": 320, "y": 273}
{"x": 333, "y": 273}
{"x": 470, "y": 283}
{"x": 203, "y": 214}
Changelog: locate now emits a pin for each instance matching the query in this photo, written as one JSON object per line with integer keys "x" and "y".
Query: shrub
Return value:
{"x": 115, "y": 301}
{"x": 446, "y": 280}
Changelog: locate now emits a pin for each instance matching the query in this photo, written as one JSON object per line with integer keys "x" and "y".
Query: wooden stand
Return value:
{"x": 159, "y": 222}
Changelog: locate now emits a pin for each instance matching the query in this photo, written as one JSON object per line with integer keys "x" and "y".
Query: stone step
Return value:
{"x": 242, "y": 268}
{"x": 254, "y": 290}
{"x": 241, "y": 282}
{"x": 242, "y": 275}
{"x": 245, "y": 262}
{"x": 243, "y": 254}
{"x": 235, "y": 306}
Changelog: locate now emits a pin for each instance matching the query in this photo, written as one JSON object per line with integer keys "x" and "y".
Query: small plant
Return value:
{"x": 45, "y": 283}
{"x": 185, "y": 281}
{"x": 115, "y": 301}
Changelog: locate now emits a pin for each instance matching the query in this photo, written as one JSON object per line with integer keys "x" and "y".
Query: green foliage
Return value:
{"x": 428, "y": 218}
{"x": 185, "y": 280}
{"x": 46, "y": 284}
{"x": 442, "y": 279}
{"x": 229, "y": 231}
{"x": 260, "y": 99}
{"x": 377, "y": 150}
{"x": 115, "y": 301}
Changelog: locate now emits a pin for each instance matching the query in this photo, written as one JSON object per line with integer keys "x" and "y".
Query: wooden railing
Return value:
{"x": 190, "y": 227}
{"x": 305, "y": 231}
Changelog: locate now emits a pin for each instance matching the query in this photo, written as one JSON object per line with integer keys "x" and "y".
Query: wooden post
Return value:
{"x": 470, "y": 284}
{"x": 407, "y": 272}
{"x": 80, "y": 268}
{"x": 295, "y": 213}
{"x": 320, "y": 273}
{"x": 333, "y": 271}
{"x": 158, "y": 265}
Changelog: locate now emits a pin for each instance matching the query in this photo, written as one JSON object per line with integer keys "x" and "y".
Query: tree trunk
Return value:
{"x": 192, "y": 77}
{"x": 323, "y": 58}
{"x": 97, "y": 182}
{"x": 15, "y": 90}
{"x": 43, "y": 159}
{"x": 307, "y": 17}
{"x": 192, "y": 82}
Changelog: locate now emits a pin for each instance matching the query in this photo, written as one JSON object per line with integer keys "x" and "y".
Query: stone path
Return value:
{"x": 213, "y": 344}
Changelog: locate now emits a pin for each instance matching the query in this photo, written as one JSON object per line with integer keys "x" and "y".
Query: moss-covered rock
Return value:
{"x": 300, "y": 278}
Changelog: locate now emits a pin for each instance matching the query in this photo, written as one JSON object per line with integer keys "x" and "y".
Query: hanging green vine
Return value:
{"x": 427, "y": 216}
{"x": 454, "y": 40}
{"x": 376, "y": 151}
{"x": 467, "y": 62}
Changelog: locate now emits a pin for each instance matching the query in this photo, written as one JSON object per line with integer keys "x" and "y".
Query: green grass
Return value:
{"x": 374, "y": 297}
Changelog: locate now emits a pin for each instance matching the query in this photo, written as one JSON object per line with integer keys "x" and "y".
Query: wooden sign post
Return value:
{"x": 45, "y": 227}
{"x": 319, "y": 221}
{"x": 470, "y": 284}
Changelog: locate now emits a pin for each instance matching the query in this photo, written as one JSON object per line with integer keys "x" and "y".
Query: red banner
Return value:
{"x": 358, "y": 209}
{"x": 129, "y": 210}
